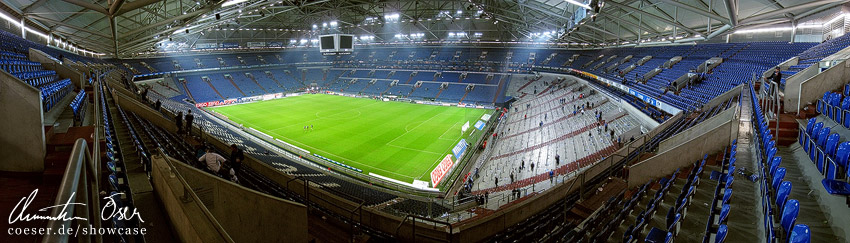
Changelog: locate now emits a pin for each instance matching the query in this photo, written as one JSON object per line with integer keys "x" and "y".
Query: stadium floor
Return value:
{"x": 399, "y": 140}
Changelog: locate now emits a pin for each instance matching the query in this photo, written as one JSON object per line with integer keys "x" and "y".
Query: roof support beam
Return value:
{"x": 600, "y": 29}
{"x": 170, "y": 20}
{"x": 817, "y": 10}
{"x": 115, "y": 6}
{"x": 624, "y": 21}
{"x": 63, "y": 24}
{"x": 698, "y": 11}
{"x": 33, "y": 6}
{"x": 665, "y": 20}
{"x": 133, "y": 6}
{"x": 790, "y": 9}
{"x": 88, "y": 5}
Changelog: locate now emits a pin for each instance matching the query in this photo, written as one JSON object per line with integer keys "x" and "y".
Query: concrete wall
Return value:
{"x": 191, "y": 221}
{"x": 64, "y": 71}
{"x": 247, "y": 214}
{"x": 702, "y": 128}
{"x": 665, "y": 163}
{"x": 792, "y": 86}
{"x": 22, "y": 140}
{"x": 808, "y": 91}
{"x": 736, "y": 91}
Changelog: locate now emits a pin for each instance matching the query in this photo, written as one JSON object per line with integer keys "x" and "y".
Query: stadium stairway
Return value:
{"x": 788, "y": 129}
{"x": 230, "y": 78}
{"x": 251, "y": 77}
{"x": 142, "y": 191}
{"x": 188, "y": 93}
{"x": 464, "y": 96}
{"x": 213, "y": 88}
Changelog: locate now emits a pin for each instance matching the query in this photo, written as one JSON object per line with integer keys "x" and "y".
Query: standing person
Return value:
{"x": 213, "y": 160}
{"x": 557, "y": 159}
{"x": 189, "y": 119}
{"x": 236, "y": 157}
{"x": 157, "y": 105}
{"x": 178, "y": 120}
{"x": 775, "y": 77}
{"x": 551, "y": 175}
{"x": 145, "y": 94}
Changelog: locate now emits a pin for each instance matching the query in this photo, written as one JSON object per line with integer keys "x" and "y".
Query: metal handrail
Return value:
{"x": 189, "y": 196}
{"x": 75, "y": 188}
{"x": 413, "y": 219}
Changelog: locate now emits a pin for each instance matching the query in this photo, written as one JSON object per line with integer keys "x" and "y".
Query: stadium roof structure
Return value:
{"x": 126, "y": 27}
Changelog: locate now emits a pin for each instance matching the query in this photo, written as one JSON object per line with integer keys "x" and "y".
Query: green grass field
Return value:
{"x": 398, "y": 140}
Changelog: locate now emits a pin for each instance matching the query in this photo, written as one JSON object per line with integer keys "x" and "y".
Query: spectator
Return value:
{"x": 551, "y": 175}
{"x": 157, "y": 105}
{"x": 213, "y": 160}
{"x": 189, "y": 119}
{"x": 236, "y": 157}
{"x": 775, "y": 77}
{"x": 557, "y": 159}
{"x": 178, "y": 120}
{"x": 145, "y": 95}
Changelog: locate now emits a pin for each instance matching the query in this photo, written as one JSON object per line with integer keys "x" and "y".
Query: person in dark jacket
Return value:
{"x": 178, "y": 120}
{"x": 236, "y": 157}
{"x": 189, "y": 119}
{"x": 157, "y": 105}
{"x": 775, "y": 78}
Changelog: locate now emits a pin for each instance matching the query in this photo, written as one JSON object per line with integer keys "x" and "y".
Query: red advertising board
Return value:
{"x": 442, "y": 169}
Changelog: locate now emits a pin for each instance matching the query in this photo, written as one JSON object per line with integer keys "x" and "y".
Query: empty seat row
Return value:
{"x": 778, "y": 208}
{"x": 52, "y": 93}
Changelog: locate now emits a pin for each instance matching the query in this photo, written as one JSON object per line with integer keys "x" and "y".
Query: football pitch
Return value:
{"x": 399, "y": 140}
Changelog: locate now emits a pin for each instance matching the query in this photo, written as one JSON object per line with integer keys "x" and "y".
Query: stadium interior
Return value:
{"x": 425, "y": 120}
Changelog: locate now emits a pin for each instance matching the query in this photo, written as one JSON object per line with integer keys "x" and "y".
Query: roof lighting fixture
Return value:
{"x": 763, "y": 30}
{"x": 233, "y": 2}
{"x": 583, "y": 5}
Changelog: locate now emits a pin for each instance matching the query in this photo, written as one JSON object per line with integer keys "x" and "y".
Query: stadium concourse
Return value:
{"x": 425, "y": 121}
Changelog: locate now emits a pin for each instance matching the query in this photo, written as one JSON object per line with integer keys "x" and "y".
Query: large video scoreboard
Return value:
{"x": 336, "y": 44}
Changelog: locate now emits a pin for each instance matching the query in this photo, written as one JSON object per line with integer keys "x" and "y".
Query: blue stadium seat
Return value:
{"x": 777, "y": 179}
{"x": 800, "y": 234}
{"x": 837, "y": 187}
{"x": 782, "y": 193}
{"x": 774, "y": 165}
{"x": 721, "y": 234}
{"x": 724, "y": 213}
{"x": 789, "y": 215}
{"x": 727, "y": 195}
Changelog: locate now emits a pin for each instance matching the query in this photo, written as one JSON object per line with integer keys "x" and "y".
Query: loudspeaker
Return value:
{"x": 217, "y": 16}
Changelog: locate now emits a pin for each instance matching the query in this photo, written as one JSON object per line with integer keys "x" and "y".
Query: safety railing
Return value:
{"x": 79, "y": 186}
{"x": 768, "y": 98}
{"x": 189, "y": 196}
